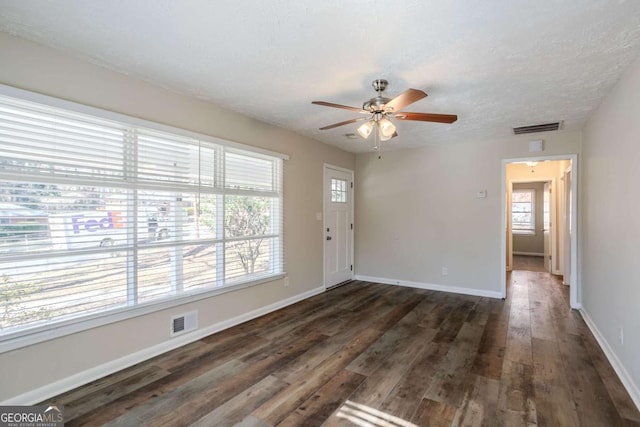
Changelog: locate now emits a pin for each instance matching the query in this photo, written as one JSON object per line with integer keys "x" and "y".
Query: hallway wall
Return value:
{"x": 610, "y": 224}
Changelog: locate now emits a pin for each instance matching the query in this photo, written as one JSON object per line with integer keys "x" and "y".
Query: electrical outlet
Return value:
{"x": 621, "y": 335}
{"x": 445, "y": 271}
{"x": 286, "y": 281}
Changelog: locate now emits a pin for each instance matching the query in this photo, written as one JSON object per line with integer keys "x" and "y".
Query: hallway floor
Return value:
{"x": 528, "y": 263}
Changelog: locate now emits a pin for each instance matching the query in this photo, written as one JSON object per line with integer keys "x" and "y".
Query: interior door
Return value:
{"x": 546, "y": 212}
{"x": 338, "y": 226}
{"x": 567, "y": 229}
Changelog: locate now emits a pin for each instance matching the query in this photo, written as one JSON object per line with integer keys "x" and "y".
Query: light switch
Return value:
{"x": 482, "y": 194}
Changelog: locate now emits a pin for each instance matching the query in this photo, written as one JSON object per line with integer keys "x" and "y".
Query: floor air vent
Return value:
{"x": 184, "y": 323}
{"x": 546, "y": 127}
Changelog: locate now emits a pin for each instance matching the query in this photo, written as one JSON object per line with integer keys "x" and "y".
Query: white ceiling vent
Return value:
{"x": 545, "y": 127}
{"x": 184, "y": 323}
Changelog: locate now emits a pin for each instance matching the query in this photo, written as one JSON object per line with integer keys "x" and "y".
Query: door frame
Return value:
{"x": 568, "y": 172}
{"x": 325, "y": 168}
{"x": 574, "y": 285}
{"x": 552, "y": 219}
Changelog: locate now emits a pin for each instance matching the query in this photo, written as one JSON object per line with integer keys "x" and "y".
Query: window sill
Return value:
{"x": 524, "y": 232}
{"x": 23, "y": 338}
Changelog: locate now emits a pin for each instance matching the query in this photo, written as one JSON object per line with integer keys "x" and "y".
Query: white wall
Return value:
{"x": 29, "y": 66}
{"x": 611, "y": 223}
{"x": 417, "y": 211}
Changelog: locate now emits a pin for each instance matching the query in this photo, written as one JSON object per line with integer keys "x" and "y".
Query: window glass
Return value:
{"x": 523, "y": 211}
{"x": 98, "y": 215}
{"x": 338, "y": 190}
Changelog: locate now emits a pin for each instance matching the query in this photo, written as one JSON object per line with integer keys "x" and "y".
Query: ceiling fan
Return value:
{"x": 379, "y": 110}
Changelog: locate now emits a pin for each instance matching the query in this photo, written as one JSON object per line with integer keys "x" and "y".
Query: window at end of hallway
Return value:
{"x": 523, "y": 211}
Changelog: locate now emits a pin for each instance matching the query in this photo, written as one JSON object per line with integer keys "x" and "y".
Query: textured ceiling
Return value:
{"x": 496, "y": 64}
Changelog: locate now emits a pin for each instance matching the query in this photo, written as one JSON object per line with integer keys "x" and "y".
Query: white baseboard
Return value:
{"x": 431, "y": 286}
{"x": 625, "y": 378}
{"x": 45, "y": 392}
{"x": 529, "y": 253}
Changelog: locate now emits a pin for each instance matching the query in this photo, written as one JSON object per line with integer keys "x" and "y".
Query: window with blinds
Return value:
{"x": 100, "y": 216}
{"x": 523, "y": 211}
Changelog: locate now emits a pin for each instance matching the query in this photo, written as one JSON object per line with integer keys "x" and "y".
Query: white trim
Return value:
{"x": 528, "y": 253}
{"x": 566, "y": 231}
{"x": 431, "y": 286}
{"x": 325, "y": 191}
{"x": 574, "y": 291}
{"x": 631, "y": 387}
{"x": 338, "y": 168}
{"x": 118, "y": 117}
{"x": 45, "y": 392}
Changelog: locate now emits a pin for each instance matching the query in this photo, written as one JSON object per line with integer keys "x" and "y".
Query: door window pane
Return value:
{"x": 338, "y": 190}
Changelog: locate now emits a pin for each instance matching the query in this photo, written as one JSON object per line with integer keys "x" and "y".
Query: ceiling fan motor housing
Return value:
{"x": 376, "y": 104}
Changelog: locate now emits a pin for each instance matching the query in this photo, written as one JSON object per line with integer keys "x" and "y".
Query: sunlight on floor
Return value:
{"x": 365, "y": 416}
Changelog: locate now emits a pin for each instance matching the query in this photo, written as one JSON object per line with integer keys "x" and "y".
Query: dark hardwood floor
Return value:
{"x": 369, "y": 354}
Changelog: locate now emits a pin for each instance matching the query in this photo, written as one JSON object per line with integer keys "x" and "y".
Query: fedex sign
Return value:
{"x": 111, "y": 221}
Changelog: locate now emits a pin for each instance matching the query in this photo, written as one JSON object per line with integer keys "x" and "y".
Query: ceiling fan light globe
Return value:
{"x": 385, "y": 138}
{"x": 365, "y": 129}
{"x": 387, "y": 128}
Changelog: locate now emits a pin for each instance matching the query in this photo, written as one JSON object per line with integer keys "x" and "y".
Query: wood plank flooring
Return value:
{"x": 529, "y": 263}
{"x": 367, "y": 354}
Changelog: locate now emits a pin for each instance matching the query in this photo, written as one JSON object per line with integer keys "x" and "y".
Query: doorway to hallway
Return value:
{"x": 544, "y": 232}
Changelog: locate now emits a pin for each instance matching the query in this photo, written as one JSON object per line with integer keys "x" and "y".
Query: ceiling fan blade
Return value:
{"x": 427, "y": 117}
{"x": 346, "y": 122}
{"x": 407, "y": 97}
{"x": 344, "y": 107}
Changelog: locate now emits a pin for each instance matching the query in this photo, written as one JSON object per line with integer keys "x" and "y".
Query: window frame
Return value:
{"x": 339, "y": 191}
{"x": 531, "y": 231}
{"x": 32, "y": 335}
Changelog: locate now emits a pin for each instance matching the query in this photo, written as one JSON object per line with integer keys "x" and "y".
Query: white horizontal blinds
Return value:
{"x": 165, "y": 158}
{"x": 39, "y": 141}
{"x": 253, "y": 217}
{"x": 97, "y": 215}
{"x": 249, "y": 172}
{"x": 61, "y": 175}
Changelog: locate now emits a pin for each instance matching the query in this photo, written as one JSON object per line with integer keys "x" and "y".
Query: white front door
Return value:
{"x": 338, "y": 226}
